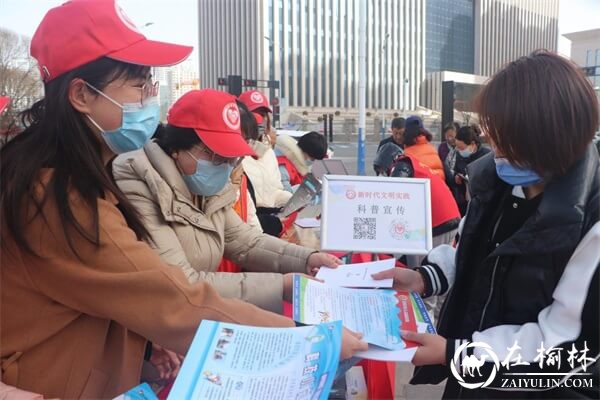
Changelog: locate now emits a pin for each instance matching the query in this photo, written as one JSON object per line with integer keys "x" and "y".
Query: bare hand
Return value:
{"x": 351, "y": 343}
{"x": 318, "y": 260}
{"x": 166, "y": 362}
{"x": 405, "y": 279}
{"x": 236, "y": 175}
{"x": 431, "y": 350}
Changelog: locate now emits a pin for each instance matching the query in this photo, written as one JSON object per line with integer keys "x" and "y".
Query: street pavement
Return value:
{"x": 347, "y": 153}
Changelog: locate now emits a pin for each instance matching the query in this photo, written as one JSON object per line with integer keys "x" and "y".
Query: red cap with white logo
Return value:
{"x": 82, "y": 31}
{"x": 256, "y": 101}
{"x": 215, "y": 117}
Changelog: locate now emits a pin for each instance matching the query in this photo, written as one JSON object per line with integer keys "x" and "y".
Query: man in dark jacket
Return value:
{"x": 397, "y": 137}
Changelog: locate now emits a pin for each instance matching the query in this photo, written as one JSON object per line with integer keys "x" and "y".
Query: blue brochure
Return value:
{"x": 140, "y": 392}
{"x": 228, "y": 361}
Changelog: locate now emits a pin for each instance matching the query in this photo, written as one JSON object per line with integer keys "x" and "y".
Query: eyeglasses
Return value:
{"x": 147, "y": 90}
{"x": 216, "y": 159}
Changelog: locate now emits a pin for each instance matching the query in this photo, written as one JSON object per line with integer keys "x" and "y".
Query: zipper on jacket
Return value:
{"x": 489, "y": 299}
{"x": 487, "y": 303}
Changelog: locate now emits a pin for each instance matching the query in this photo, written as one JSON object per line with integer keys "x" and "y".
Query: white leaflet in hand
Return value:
{"x": 308, "y": 223}
{"x": 358, "y": 275}
{"x": 381, "y": 354}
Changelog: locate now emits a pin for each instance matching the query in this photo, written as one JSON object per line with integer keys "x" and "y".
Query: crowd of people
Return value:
{"x": 120, "y": 235}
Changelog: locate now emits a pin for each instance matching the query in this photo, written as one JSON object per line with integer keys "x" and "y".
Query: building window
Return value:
{"x": 589, "y": 61}
{"x": 597, "y": 57}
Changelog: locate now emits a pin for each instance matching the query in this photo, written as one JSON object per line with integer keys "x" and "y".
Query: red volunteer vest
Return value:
{"x": 295, "y": 176}
{"x": 443, "y": 205}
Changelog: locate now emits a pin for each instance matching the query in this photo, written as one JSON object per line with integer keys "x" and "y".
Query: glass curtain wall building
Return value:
{"x": 311, "y": 47}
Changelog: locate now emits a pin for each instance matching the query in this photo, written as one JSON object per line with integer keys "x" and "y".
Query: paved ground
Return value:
{"x": 347, "y": 152}
{"x": 404, "y": 391}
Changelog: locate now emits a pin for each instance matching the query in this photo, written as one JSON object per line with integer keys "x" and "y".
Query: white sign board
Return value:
{"x": 376, "y": 214}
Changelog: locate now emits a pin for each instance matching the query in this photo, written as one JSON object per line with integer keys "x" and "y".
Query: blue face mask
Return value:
{"x": 465, "y": 153}
{"x": 137, "y": 127}
{"x": 516, "y": 176}
{"x": 209, "y": 179}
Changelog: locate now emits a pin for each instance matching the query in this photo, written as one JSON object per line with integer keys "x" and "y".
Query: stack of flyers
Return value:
{"x": 228, "y": 361}
{"x": 379, "y": 314}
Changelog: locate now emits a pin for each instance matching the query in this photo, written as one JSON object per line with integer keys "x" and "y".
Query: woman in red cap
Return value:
{"x": 82, "y": 294}
{"x": 180, "y": 185}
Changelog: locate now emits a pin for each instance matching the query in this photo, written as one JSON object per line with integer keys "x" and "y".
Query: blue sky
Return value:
{"x": 176, "y": 20}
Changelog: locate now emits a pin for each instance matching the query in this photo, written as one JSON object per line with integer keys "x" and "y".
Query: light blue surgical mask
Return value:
{"x": 466, "y": 153}
{"x": 308, "y": 163}
{"x": 209, "y": 179}
{"x": 138, "y": 124}
{"x": 516, "y": 176}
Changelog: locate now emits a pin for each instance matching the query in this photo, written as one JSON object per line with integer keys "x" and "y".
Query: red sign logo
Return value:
{"x": 231, "y": 116}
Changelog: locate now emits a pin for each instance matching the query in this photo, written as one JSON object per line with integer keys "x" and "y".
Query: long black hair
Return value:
{"x": 56, "y": 136}
{"x": 248, "y": 123}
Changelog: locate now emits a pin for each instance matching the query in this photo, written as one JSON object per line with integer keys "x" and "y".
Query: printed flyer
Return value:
{"x": 421, "y": 314}
{"x": 378, "y": 314}
{"x": 228, "y": 361}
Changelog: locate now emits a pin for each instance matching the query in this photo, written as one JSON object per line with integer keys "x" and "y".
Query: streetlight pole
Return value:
{"x": 383, "y": 91}
{"x": 405, "y": 96}
{"x": 362, "y": 89}
{"x": 271, "y": 66}
{"x": 383, "y": 64}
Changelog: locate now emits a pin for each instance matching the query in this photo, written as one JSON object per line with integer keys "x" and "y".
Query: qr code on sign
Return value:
{"x": 365, "y": 228}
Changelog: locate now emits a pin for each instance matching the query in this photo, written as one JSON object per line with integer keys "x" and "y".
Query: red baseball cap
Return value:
{"x": 81, "y": 31}
{"x": 215, "y": 117}
{"x": 256, "y": 101}
{"x": 4, "y": 100}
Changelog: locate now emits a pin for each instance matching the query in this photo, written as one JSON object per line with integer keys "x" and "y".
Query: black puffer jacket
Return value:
{"x": 513, "y": 292}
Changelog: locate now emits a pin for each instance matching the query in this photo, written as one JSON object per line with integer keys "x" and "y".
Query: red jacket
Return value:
{"x": 444, "y": 211}
{"x": 427, "y": 154}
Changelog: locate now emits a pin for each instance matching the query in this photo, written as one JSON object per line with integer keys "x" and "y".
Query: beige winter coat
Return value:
{"x": 288, "y": 146}
{"x": 194, "y": 233}
{"x": 265, "y": 177}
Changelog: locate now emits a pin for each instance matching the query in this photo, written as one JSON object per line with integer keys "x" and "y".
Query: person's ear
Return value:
{"x": 80, "y": 96}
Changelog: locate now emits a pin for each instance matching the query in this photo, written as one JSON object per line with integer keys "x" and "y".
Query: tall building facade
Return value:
{"x": 450, "y": 36}
{"x": 174, "y": 82}
{"x": 312, "y": 46}
{"x": 508, "y": 29}
{"x": 585, "y": 51}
